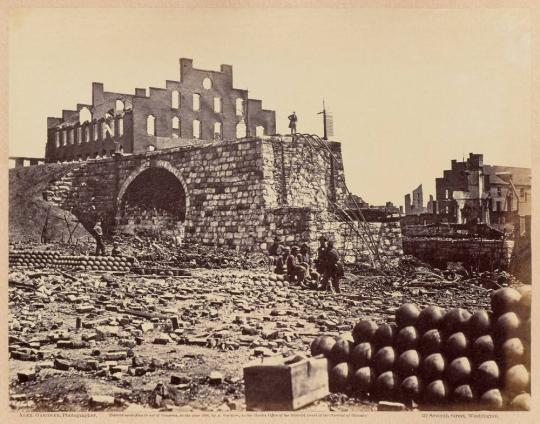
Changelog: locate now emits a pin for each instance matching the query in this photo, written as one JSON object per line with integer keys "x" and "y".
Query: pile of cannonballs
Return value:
{"x": 439, "y": 359}
{"x": 24, "y": 259}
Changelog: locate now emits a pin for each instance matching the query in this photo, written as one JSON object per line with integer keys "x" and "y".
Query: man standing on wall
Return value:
{"x": 292, "y": 122}
{"x": 98, "y": 234}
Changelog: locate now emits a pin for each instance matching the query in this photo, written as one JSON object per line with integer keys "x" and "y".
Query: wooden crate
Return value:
{"x": 272, "y": 384}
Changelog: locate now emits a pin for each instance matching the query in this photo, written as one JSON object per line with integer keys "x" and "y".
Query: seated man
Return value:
{"x": 306, "y": 261}
{"x": 281, "y": 261}
{"x": 295, "y": 271}
{"x": 115, "y": 251}
{"x": 275, "y": 251}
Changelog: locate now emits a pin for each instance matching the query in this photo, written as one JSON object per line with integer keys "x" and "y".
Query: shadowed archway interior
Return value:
{"x": 155, "y": 194}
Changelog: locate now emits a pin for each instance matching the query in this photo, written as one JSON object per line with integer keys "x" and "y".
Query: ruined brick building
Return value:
{"x": 200, "y": 105}
{"x": 474, "y": 192}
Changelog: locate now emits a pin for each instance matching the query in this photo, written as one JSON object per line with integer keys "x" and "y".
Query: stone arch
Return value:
{"x": 147, "y": 164}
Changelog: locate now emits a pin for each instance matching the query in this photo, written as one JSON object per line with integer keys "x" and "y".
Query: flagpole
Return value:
{"x": 325, "y": 137}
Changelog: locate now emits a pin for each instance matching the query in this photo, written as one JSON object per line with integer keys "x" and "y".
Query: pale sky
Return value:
{"x": 410, "y": 89}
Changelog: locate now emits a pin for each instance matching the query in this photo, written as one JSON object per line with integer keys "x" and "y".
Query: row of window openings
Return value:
{"x": 218, "y": 104}
{"x": 70, "y": 136}
{"x": 86, "y": 116}
{"x": 241, "y": 129}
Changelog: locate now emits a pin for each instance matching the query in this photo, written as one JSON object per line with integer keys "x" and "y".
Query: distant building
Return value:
{"x": 473, "y": 192}
{"x": 416, "y": 207}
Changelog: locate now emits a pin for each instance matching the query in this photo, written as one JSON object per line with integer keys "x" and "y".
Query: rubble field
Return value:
{"x": 89, "y": 340}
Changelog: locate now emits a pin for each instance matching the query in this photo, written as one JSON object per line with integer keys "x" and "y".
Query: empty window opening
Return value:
{"x": 217, "y": 131}
{"x": 85, "y": 115}
{"x": 79, "y": 135}
{"x": 175, "y": 127}
{"x": 196, "y": 101}
{"x": 57, "y": 139}
{"x": 196, "y": 129}
{"x": 175, "y": 99}
{"x": 120, "y": 127}
{"x": 87, "y": 134}
{"x": 217, "y": 104}
{"x": 239, "y": 106}
{"x": 71, "y": 136}
{"x": 241, "y": 130}
{"x": 119, "y": 105}
{"x": 108, "y": 127}
{"x": 259, "y": 131}
{"x": 151, "y": 125}
{"x": 64, "y": 138}
{"x": 207, "y": 83}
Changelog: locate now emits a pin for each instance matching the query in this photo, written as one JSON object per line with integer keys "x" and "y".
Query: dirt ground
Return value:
{"x": 126, "y": 348}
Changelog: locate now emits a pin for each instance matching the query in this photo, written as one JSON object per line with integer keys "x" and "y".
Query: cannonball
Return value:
{"x": 479, "y": 324}
{"x": 407, "y": 314}
{"x": 361, "y": 355}
{"x": 505, "y": 300}
{"x": 384, "y": 359}
{"x": 459, "y": 371}
{"x": 412, "y": 388}
{"x": 431, "y": 342}
{"x": 407, "y": 338}
{"x": 430, "y": 318}
{"x": 364, "y": 331}
{"x": 408, "y": 362}
{"x": 432, "y": 367}
{"x": 455, "y": 320}
{"x": 384, "y": 335}
{"x": 456, "y": 345}
{"x": 483, "y": 349}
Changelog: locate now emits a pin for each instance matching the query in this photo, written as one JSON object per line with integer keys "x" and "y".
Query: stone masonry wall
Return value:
{"x": 238, "y": 194}
{"x": 484, "y": 254}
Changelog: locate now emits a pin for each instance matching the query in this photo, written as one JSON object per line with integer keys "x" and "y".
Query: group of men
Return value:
{"x": 323, "y": 273}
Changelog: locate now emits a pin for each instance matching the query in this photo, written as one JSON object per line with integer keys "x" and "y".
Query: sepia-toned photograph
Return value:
{"x": 238, "y": 210}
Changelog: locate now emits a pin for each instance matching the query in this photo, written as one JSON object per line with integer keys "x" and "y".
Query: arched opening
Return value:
{"x": 259, "y": 131}
{"x": 84, "y": 115}
{"x": 154, "y": 201}
{"x": 119, "y": 105}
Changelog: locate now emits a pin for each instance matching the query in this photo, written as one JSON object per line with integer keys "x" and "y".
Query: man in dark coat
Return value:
{"x": 333, "y": 268}
{"x": 98, "y": 235}
{"x": 292, "y": 122}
